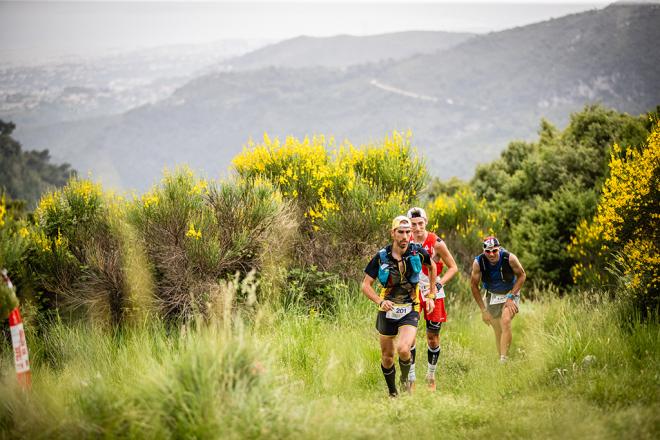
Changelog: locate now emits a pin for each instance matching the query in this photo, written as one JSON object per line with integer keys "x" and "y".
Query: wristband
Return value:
{"x": 381, "y": 303}
{"x": 509, "y": 295}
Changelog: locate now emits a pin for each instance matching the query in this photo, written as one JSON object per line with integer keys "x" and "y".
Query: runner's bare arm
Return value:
{"x": 520, "y": 279}
{"x": 442, "y": 251}
{"x": 369, "y": 292}
{"x": 475, "y": 279}
{"x": 433, "y": 273}
{"x": 519, "y": 272}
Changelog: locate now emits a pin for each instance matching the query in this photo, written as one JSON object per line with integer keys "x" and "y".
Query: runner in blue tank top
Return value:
{"x": 502, "y": 276}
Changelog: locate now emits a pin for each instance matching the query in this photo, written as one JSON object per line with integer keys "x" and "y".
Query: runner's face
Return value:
{"x": 492, "y": 254}
{"x": 401, "y": 237}
{"x": 418, "y": 226}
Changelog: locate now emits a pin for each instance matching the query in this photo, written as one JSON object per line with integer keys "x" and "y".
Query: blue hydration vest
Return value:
{"x": 496, "y": 278}
{"x": 413, "y": 258}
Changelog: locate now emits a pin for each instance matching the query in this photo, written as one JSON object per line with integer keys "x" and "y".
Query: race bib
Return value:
{"x": 497, "y": 299}
{"x": 398, "y": 311}
{"x": 440, "y": 293}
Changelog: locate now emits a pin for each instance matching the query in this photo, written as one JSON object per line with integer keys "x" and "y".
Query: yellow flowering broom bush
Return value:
{"x": 463, "y": 219}
{"x": 13, "y": 232}
{"x": 345, "y": 195}
{"x": 75, "y": 252}
{"x": 624, "y": 230}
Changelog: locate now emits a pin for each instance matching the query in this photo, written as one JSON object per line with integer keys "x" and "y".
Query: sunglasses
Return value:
{"x": 492, "y": 251}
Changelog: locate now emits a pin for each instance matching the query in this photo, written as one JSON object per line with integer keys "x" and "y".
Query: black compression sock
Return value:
{"x": 433, "y": 355}
{"x": 390, "y": 378}
{"x": 405, "y": 369}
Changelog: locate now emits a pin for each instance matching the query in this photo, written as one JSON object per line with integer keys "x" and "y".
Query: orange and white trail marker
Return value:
{"x": 21, "y": 359}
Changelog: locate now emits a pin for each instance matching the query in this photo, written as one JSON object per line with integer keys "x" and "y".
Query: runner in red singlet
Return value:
{"x": 437, "y": 248}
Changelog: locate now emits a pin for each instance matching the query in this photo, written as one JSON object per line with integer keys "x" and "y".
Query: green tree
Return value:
{"x": 545, "y": 188}
{"x": 27, "y": 174}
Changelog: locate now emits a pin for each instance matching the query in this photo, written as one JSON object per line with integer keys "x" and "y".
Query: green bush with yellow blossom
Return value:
{"x": 75, "y": 252}
{"x": 12, "y": 249}
{"x": 13, "y": 233}
{"x": 344, "y": 194}
{"x": 197, "y": 232}
{"x": 545, "y": 188}
{"x": 463, "y": 219}
{"x": 624, "y": 232}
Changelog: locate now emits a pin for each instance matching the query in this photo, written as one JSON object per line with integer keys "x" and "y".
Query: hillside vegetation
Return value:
{"x": 231, "y": 308}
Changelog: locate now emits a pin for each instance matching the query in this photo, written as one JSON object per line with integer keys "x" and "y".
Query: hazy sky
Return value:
{"x": 48, "y": 30}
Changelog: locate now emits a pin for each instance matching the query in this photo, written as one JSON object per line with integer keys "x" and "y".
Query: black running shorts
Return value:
{"x": 390, "y": 327}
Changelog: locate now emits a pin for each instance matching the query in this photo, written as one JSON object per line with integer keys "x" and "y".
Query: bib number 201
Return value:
{"x": 398, "y": 311}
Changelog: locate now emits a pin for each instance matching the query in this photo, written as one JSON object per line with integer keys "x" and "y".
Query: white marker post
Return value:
{"x": 21, "y": 358}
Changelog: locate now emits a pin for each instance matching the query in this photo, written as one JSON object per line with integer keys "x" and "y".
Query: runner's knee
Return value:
{"x": 387, "y": 359}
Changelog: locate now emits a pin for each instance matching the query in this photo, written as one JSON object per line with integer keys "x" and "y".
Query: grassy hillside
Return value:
{"x": 208, "y": 309}
{"x": 274, "y": 373}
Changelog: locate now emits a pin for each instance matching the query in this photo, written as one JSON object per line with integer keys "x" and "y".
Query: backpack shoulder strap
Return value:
{"x": 382, "y": 255}
{"x": 506, "y": 269}
{"x": 482, "y": 265}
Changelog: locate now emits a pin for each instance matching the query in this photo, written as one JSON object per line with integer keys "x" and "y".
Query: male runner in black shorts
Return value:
{"x": 397, "y": 267}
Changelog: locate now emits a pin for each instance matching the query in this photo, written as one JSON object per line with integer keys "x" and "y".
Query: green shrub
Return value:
{"x": 542, "y": 233}
{"x": 75, "y": 253}
{"x": 312, "y": 290}
{"x": 536, "y": 184}
{"x": 13, "y": 239}
{"x": 463, "y": 220}
{"x": 196, "y": 233}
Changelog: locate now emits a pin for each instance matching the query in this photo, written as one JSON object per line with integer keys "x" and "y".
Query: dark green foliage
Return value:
{"x": 448, "y": 187}
{"x": 545, "y": 188}
{"x": 27, "y": 174}
{"x": 8, "y": 300}
{"x": 311, "y": 289}
{"x": 541, "y": 234}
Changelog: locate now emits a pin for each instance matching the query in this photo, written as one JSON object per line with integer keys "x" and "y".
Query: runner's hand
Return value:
{"x": 512, "y": 305}
{"x": 387, "y": 305}
{"x": 486, "y": 316}
{"x": 430, "y": 305}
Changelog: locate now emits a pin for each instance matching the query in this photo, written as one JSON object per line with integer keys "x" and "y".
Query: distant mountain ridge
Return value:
{"x": 463, "y": 103}
{"x": 347, "y": 50}
{"x": 604, "y": 55}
